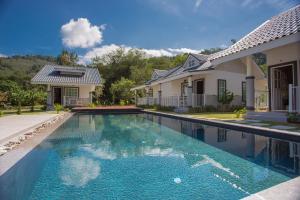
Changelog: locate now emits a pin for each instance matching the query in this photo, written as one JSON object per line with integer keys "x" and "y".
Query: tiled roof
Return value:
{"x": 284, "y": 24}
{"x": 50, "y": 74}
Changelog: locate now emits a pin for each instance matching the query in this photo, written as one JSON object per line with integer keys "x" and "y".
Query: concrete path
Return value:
{"x": 11, "y": 126}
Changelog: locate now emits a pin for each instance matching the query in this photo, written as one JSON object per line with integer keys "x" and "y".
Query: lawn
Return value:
{"x": 217, "y": 115}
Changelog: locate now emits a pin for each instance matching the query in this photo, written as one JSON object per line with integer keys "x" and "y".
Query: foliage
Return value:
{"x": 239, "y": 112}
{"x": 18, "y": 95}
{"x": 226, "y": 98}
{"x": 21, "y": 69}
{"x": 92, "y": 105}
{"x": 293, "y": 117}
{"x": 1, "y": 113}
{"x": 58, "y": 107}
{"x": 67, "y": 58}
{"x": 121, "y": 90}
{"x": 34, "y": 96}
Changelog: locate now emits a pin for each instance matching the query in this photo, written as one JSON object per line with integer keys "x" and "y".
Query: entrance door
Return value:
{"x": 281, "y": 78}
{"x": 199, "y": 87}
{"x": 57, "y": 95}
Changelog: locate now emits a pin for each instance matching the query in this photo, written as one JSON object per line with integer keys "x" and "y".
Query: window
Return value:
{"x": 244, "y": 91}
{"x": 71, "y": 92}
{"x": 221, "y": 88}
{"x": 191, "y": 63}
{"x": 222, "y": 135}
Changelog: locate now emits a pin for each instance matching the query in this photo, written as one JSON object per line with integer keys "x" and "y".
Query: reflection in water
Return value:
{"x": 281, "y": 155}
{"x": 146, "y": 157}
{"x": 78, "y": 171}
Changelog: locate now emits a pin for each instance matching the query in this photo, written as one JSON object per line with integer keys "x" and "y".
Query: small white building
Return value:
{"x": 198, "y": 82}
{"x": 233, "y": 69}
{"x": 68, "y": 86}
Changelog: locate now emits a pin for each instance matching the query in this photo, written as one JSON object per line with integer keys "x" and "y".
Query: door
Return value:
{"x": 282, "y": 77}
{"x": 57, "y": 95}
{"x": 198, "y": 96}
{"x": 200, "y": 87}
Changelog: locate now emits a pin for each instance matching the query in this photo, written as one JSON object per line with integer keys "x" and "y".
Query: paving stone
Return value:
{"x": 283, "y": 127}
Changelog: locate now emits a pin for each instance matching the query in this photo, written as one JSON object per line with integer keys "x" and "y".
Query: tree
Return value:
{"x": 120, "y": 90}
{"x": 35, "y": 96}
{"x": 226, "y": 99}
{"x": 211, "y": 50}
{"x": 67, "y": 58}
{"x": 18, "y": 95}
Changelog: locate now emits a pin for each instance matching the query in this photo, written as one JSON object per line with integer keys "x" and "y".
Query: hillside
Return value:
{"x": 22, "y": 68}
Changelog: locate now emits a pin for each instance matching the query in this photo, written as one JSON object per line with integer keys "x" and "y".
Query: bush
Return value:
{"x": 293, "y": 117}
{"x": 58, "y": 107}
{"x": 92, "y": 105}
{"x": 239, "y": 112}
{"x": 1, "y": 113}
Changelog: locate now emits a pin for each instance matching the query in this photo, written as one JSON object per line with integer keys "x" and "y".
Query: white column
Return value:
{"x": 189, "y": 91}
{"x": 49, "y": 97}
{"x": 250, "y": 88}
{"x": 290, "y": 97}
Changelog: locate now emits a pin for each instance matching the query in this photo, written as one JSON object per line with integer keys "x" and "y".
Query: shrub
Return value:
{"x": 293, "y": 117}
{"x": 239, "y": 112}
{"x": 92, "y": 105}
{"x": 58, "y": 107}
{"x": 1, "y": 113}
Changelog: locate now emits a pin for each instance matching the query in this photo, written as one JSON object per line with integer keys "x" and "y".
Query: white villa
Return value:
{"x": 68, "y": 86}
{"x": 203, "y": 79}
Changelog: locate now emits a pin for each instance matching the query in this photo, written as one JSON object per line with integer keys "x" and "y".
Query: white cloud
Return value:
{"x": 198, "y": 3}
{"x": 78, "y": 171}
{"x": 3, "y": 55}
{"x": 101, "y": 51}
{"x": 80, "y": 33}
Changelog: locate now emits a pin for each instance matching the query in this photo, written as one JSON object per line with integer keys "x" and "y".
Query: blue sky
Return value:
{"x": 158, "y": 26}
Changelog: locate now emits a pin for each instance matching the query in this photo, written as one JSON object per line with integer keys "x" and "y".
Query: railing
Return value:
{"x": 75, "y": 101}
{"x": 294, "y": 98}
{"x": 198, "y": 100}
{"x": 262, "y": 99}
{"x": 171, "y": 101}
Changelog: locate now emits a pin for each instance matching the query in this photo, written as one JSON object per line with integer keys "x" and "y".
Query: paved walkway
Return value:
{"x": 11, "y": 126}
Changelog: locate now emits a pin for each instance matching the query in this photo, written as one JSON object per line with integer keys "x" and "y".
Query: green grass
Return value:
{"x": 216, "y": 115}
{"x": 26, "y": 111}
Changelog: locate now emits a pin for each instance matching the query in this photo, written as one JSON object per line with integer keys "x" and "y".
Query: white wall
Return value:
{"x": 287, "y": 53}
{"x": 84, "y": 90}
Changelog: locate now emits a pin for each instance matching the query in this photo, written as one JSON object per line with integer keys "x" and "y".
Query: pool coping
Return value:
{"x": 12, "y": 157}
{"x": 265, "y": 131}
{"x": 6, "y": 139}
{"x": 288, "y": 190}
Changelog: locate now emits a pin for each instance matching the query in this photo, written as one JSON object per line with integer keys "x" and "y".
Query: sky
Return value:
{"x": 158, "y": 27}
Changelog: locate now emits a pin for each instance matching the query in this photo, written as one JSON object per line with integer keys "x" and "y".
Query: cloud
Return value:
{"x": 78, "y": 171}
{"x": 198, "y": 3}
{"x": 103, "y": 50}
{"x": 80, "y": 33}
{"x": 3, "y": 55}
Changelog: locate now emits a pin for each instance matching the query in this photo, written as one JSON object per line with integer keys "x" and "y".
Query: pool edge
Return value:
{"x": 12, "y": 157}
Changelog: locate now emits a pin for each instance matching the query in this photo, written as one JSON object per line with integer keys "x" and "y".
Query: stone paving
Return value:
{"x": 11, "y": 125}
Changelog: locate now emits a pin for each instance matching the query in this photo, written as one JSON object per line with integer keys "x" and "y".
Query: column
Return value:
{"x": 135, "y": 97}
{"x": 250, "y": 88}
{"x": 189, "y": 91}
{"x": 159, "y": 95}
{"x": 49, "y": 97}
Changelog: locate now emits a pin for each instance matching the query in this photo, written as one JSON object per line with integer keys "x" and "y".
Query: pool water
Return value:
{"x": 144, "y": 156}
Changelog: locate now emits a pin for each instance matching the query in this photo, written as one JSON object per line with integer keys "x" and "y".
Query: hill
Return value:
{"x": 22, "y": 68}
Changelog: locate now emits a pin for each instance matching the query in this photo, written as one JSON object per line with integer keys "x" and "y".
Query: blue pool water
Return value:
{"x": 143, "y": 156}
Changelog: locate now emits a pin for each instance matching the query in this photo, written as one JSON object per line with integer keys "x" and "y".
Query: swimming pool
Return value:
{"x": 145, "y": 156}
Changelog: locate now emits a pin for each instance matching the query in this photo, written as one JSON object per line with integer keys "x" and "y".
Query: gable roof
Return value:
{"x": 57, "y": 74}
{"x": 285, "y": 24}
